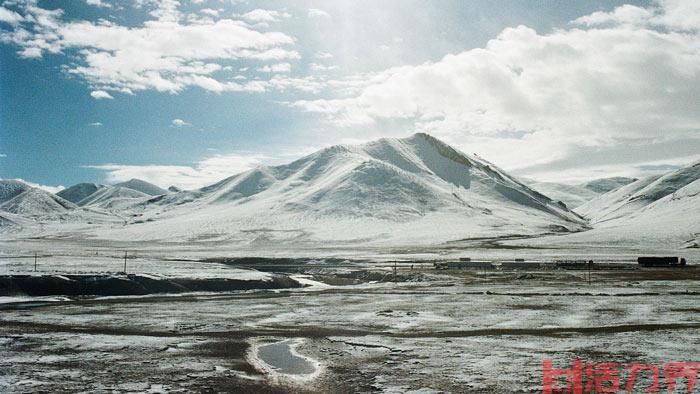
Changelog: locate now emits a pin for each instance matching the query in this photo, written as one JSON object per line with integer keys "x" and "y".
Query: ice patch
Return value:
{"x": 281, "y": 360}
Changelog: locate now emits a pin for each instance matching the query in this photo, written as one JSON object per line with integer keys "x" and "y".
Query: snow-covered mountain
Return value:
{"x": 10, "y": 188}
{"x": 21, "y": 199}
{"x": 660, "y": 210}
{"x": 113, "y": 197}
{"x": 143, "y": 187}
{"x": 415, "y": 189}
{"x": 571, "y": 195}
{"x": 79, "y": 192}
{"x": 575, "y": 195}
{"x": 604, "y": 185}
{"x": 117, "y": 197}
{"x": 634, "y": 197}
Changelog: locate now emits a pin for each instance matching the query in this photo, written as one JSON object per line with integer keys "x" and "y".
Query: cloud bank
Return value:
{"x": 167, "y": 53}
{"x": 611, "y": 79}
{"x": 203, "y": 173}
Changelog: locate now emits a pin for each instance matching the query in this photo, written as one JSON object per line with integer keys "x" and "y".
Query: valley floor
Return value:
{"x": 356, "y": 327}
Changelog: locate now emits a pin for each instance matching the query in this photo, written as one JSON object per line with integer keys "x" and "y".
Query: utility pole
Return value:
{"x": 34, "y": 261}
{"x": 394, "y": 271}
{"x": 125, "y": 253}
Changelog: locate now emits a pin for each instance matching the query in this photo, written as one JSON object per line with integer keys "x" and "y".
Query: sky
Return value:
{"x": 189, "y": 92}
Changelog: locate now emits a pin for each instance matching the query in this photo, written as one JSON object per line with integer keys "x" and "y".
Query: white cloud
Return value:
{"x": 210, "y": 12}
{"x": 323, "y": 55}
{"x": 50, "y": 189}
{"x": 276, "y": 68}
{"x": 264, "y": 16}
{"x": 9, "y": 16}
{"x": 637, "y": 169}
{"x": 205, "y": 172}
{"x": 179, "y": 123}
{"x": 316, "y": 13}
{"x": 30, "y": 53}
{"x": 321, "y": 67}
{"x": 96, "y": 124}
{"x": 626, "y": 14}
{"x": 165, "y": 53}
{"x": 526, "y": 98}
{"x": 672, "y": 14}
{"x": 679, "y": 14}
{"x": 2, "y": 155}
{"x": 98, "y": 3}
{"x": 100, "y": 94}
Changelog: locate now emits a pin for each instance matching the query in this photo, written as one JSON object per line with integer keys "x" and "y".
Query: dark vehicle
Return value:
{"x": 653, "y": 261}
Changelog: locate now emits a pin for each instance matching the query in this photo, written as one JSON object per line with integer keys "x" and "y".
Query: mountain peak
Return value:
{"x": 142, "y": 186}
{"x": 79, "y": 192}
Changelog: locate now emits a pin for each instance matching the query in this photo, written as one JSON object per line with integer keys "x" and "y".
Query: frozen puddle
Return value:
{"x": 281, "y": 358}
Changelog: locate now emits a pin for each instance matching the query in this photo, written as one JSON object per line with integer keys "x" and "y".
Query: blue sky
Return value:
{"x": 188, "y": 92}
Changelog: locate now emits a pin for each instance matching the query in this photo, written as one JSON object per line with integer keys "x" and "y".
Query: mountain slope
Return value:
{"x": 113, "y": 197}
{"x": 658, "y": 213}
{"x": 416, "y": 189}
{"x": 143, "y": 187}
{"x": 604, "y": 185}
{"x": 22, "y": 199}
{"x": 571, "y": 195}
{"x": 576, "y": 195}
{"x": 79, "y": 192}
{"x": 10, "y": 188}
{"x": 633, "y": 197}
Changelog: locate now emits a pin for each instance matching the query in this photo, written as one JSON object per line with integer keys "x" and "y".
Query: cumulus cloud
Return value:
{"x": 323, "y": 55}
{"x": 210, "y": 11}
{"x": 2, "y": 155}
{"x": 167, "y": 53}
{"x": 264, "y": 16}
{"x": 321, "y": 67}
{"x": 9, "y": 16}
{"x": 30, "y": 53}
{"x": 624, "y": 78}
{"x": 99, "y": 3}
{"x": 100, "y": 94}
{"x": 205, "y": 172}
{"x": 316, "y": 13}
{"x": 179, "y": 123}
{"x": 671, "y": 14}
{"x": 276, "y": 68}
{"x": 96, "y": 124}
{"x": 626, "y": 14}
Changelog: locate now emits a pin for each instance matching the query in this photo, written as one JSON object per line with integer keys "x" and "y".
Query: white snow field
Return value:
{"x": 415, "y": 190}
